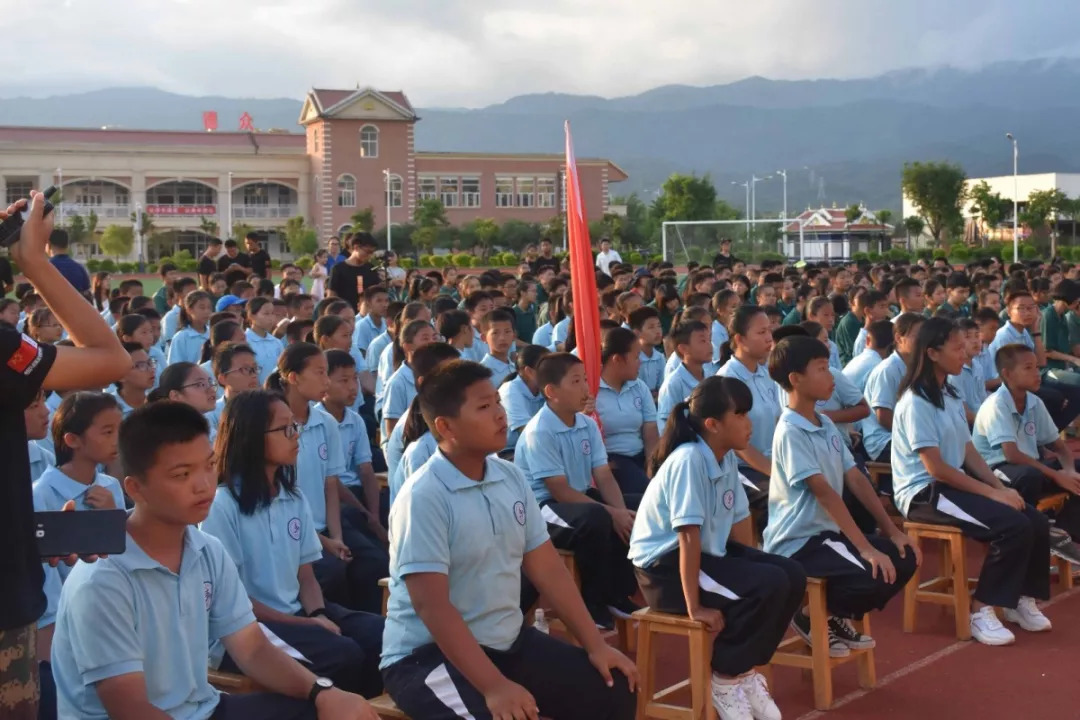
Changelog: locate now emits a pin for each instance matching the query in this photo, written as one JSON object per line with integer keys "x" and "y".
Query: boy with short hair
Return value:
{"x": 968, "y": 383}
{"x": 910, "y": 296}
{"x": 498, "y": 328}
{"x": 478, "y": 305}
{"x": 695, "y": 351}
{"x": 883, "y": 388}
{"x": 645, "y": 322}
{"x": 875, "y": 308}
{"x": 455, "y": 644}
{"x": 168, "y": 596}
{"x": 879, "y": 343}
{"x": 821, "y": 311}
{"x": 988, "y": 323}
{"x": 373, "y": 324}
{"x": 957, "y": 289}
{"x": 562, "y": 455}
{"x": 808, "y": 520}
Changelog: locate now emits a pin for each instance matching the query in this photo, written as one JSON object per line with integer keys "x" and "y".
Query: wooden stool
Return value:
{"x": 650, "y": 698}
{"x": 875, "y": 470}
{"x": 386, "y": 708}
{"x": 231, "y": 682}
{"x": 383, "y": 479}
{"x": 626, "y": 638}
{"x": 794, "y": 652}
{"x": 951, "y": 588}
{"x": 385, "y": 585}
{"x": 1056, "y": 503}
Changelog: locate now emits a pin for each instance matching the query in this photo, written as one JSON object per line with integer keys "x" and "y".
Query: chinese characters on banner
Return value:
{"x": 209, "y": 121}
{"x": 246, "y": 123}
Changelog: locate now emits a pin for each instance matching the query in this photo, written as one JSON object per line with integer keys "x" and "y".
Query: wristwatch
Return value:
{"x": 320, "y": 685}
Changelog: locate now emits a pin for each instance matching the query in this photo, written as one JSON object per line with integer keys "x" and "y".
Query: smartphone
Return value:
{"x": 10, "y": 228}
{"x": 87, "y": 532}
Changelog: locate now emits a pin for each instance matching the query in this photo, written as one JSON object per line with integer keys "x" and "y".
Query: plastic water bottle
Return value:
{"x": 540, "y": 622}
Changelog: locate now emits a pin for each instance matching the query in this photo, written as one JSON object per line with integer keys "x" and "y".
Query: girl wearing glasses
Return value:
{"x": 130, "y": 392}
{"x": 222, "y": 333}
{"x": 187, "y": 383}
{"x": 139, "y": 329}
{"x": 43, "y": 326}
{"x": 236, "y": 370}
{"x": 263, "y": 519}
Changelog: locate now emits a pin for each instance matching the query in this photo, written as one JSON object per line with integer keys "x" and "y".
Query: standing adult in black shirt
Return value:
{"x": 25, "y": 367}
{"x": 724, "y": 257}
{"x": 233, "y": 257}
{"x": 349, "y": 278}
{"x": 546, "y": 259}
{"x": 259, "y": 259}
{"x": 208, "y": 263}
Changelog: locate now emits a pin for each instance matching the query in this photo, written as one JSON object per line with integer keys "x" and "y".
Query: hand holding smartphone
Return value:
{"x": 86, "y": 533}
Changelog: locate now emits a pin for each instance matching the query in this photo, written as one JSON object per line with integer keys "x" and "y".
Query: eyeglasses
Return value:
{"x": 201, "y": 384}
{"x": 245, "y": 371}
{"x": 145, "y": 365}
{"x": 291, "y": 430}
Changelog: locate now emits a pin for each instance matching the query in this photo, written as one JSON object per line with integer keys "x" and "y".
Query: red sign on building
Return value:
{"x": 182, "y": 209}
{"x": 209, "y": 120}
{"x": 246, "y": 122}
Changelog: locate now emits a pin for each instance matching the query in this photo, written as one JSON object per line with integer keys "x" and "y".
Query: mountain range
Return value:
{"x": 842, "y": 140}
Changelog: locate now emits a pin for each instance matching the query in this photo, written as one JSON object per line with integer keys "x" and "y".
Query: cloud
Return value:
{"x": 476, "y": 52}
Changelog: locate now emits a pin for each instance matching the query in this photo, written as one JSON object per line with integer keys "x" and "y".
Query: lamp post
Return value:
{"x": 746, "y": 185}
{"x": 783, "y": 234}
{"x": 1016, "y": 197}
{"x": 386, "y": 174}
{"x": 60, "y": 181}
{"x": 754, "y": 180}
{"x": 228, "y": 217}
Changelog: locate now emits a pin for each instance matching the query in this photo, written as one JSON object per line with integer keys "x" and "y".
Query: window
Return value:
{"x": 526, "y": 192}
{"x": 369, "y": 141}
{"x": 545, "y": 192}
{"x": 255, "y": 195}
{"x": 429, "y": 189}
{"x": 315, "y": 140}
{"x": 395, "y": 191}
{"x": 448, "y": 191}
{"x": 470, "y": 192}
{"x": 504, "y": 192}
{"x": 17, "y": 191}
{"x": 88, "y": 196}
{"x": 121, "y": 195}
{"x": 346, "y": 191}
{"x": 180, "y": 193}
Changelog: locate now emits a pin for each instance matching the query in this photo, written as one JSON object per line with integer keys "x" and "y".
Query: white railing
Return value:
{"x": 263, "y": 212}
{"x": 111, "y": 212}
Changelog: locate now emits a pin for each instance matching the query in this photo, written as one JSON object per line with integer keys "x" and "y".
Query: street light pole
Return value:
{"x": 746, "y": 185}
{"x": 1016, "y": 197}
{"x": 754, "y": 180}
{"x": 60, "y": 180}
{"x": 386, "y": 174}
{"x": 783, "y": 174}
{"x": 228, "y": 218}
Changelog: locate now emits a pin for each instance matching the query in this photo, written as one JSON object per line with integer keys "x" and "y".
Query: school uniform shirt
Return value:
{"x": 1055, "y": 336}
{"x": 542, "y": 336}
{"x": 475, "y": 533}
{"x": 399, "y": 393}
{"x": 562, "y": 329}
{"x": 918, "y": 424}
{"x": 794, "y": 317}
{"x": 52, "y": 401}
{"x": 54, "y": 487}
{"x": 802, "y": 449}
{"x": 622, "y": 413}
{"x": 844, "y": 395}
{"x": 374, "y": 350}
{"x": 520, "y": 405}
{"x": 320, "y": 457}
{"x": 354, "y": 444}
{"x": 524, "y": 321}
{"x": 393, "y": 452}
{"x": 691, "y": 489}
{"x": 972, "y": 390}
{"x": 860, "y": 367}
{"x": 365, "y": 331}
{"x": 834, "y": 356}
{"x": 418, "y": 453}
{"x": 125, "y": 409}
{"x": 213, "y": 418}
{"x": 860, "y": 344}
{"x": 267, "y": 351}
{"x": 548, "y": 448}
{"x": 478, "y": 349}
{"x": 676, "y": 387}
{"x": 766, "y": 409}
{"x": 1009, "y": 334}
{"x": 999, "y": 421}
{"x": 170, "y": 323}
{"x": 719, "y": 337}
{"x": 41, "y": 459}
{"x": 882, "y": 387}
{"x": 187, "y": 345}
{"x": 983, "y": 364}
{"x": 268, "y": 546}
{"x": 129, "y": 614}
{"x": 651, "y": 370}
{"x": 499, "y": 369}
{"x": 161, "y": 362}
{"x": 385, "y": 371}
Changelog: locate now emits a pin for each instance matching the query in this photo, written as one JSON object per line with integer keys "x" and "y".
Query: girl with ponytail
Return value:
{"x": 195, "y": 313}
{"x": 520, "y": 393}
{"x": 692, "y": 546}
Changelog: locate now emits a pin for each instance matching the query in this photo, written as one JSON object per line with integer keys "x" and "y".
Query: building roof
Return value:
{"x": 327, "y": 103}
{"x": 119, "y": 136}
{"x": 616, "y": 173}
{"x": 835, "y": 220}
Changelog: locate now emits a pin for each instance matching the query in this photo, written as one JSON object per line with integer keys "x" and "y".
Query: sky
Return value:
{"x": 471, "y": 53}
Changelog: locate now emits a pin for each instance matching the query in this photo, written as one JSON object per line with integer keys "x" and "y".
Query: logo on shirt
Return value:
{"x": 836, "y": 443}
{"x": 637, "y": 403}
{"x": 586, "y": 447}
{"x": 352, "y": 446}
{"x": 1030, "y": 428}
{"x": 821, "y": 403}
{"x": 26, "y": 357}
{"x": 294, "y": 528}
{"x": 729, "y": 499}
{"x": 208, "y": 593}
{"x": 519, "y": 512}
{"x": 322, "y": 451}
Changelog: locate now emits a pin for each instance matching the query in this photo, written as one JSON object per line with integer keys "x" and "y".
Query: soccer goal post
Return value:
{"x": 752, "y": 240}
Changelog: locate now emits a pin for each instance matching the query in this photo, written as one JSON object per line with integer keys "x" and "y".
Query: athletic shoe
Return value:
{"x": 1028, "y": 616}
{"x": 1063, "y": 546}
{"x": 757, "y": 694}
{"x": 987, "y": 629}
{"x": 730, "y": 700}
{"x": 601, "y": 617}
{"x": 801, "y": 625}
{"x": 843, "y": 629}
{"x": 623, "y": 608}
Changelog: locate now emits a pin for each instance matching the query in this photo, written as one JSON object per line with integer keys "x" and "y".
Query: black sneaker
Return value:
{"x": 1063, "y": 546}
{"x": 623, "y": 608}
{"x": 601, "y": 617}
{"x": 801, "y": 625}
{"x": 843, "y": 630}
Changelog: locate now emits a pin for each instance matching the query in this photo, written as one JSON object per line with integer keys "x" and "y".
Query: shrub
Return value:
{"x": 924, "y": 254}
{"x": 107, "y": 265}
{"x": 439, "y": 261}
{"x": 129, "y": 267}
{"x": 1029, "y": 252}
{"x": 656, "y": 258}
{"x": 93, "y": 265}
{"x": 509, "y": 259}
{"x": 425, "y": 261}
{"x": 860, "y": 257}
{"x": 476, "y": 261}
{"x": 304, "y": 262}
{"x": 940, "y": 255}
{"x": 461, "y": 259}
{"x": 152, "y": 268}
{"x": 771, "y": 256}
{"x": 275, "y": 264}
{"x": 635, "y": 258}
{"x": 188, "y": 265}
{"x": 407, "y": 262}
{"x": 960, "y": 251}
{"x": 874, "y": 257}
{"x": 896, "y": 254}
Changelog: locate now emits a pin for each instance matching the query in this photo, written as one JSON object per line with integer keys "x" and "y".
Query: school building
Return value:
{"x": 356, "y": 151}
{"x": 826, "y": 234}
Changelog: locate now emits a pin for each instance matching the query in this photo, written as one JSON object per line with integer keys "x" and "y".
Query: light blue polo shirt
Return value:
{"x": 475, "y": 533}
{"x": 520, "y": 405}
{"x": 1008, "y": 334}
{"x": 40, "y": 459}
{"x": 385, "y": 371}
{"x": 860, "y": 367}
{"x": 844, "y": 395}
{"x": 399, "y": 393}
{"x": 267, "y": 350}
{"x": 393, "y": 452}
{"x": 374, "y": 350}
{"x": 54, "y": 488}
{"x": 918, "y": 424}
{"x": 676, "y": 388}
{"x": 542, "y": 336}
{"x": 52, "y": 401}
{"x": 213, "y": 418}
{"x": 972, "y": 390}
{"x": 129, "y": 614}
{"x": 719, "y": 337}
{"x": 651, "y": 370}
{"x": 834, "y": 356}
{"x": 766, "y": 408}
{"x": 478, "y": 350}
{"x": 673, "y": 361}
{"x": 802, "y": 449}
{"x": 999, "y": 421}
{"x": 365, "y": 331}
{"x": 170, "y": 322}
{"x": 52, "y": 588}
{"x": 267, "y": 546}
{"x": 416, "y": 454}
{"x": 548, "y": 448}
{"x": 623, "y": 413}
{"x": 320, "y": 457}
{"x": 983, "y": 364}
{"x": 354, "y": 445}
{"x": 499, "y": 369}
{"x": 882, "y": 387}
{"x": 160, "y": 362}
{"x": 187, "y": 345}
{"x": 562, "y": 329}
{"x": 691, "y": 489}
{"x": 860, "y": 344}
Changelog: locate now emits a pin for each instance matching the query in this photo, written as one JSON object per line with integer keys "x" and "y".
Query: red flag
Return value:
{"x": 582, "y": 273}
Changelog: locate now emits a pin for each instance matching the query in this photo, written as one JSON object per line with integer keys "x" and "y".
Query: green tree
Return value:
{"x": 883, "y": 216}
{"x": 553, "y": 229}
{"x": 937, "y": 191}
{"x": 208, "y": 226}
{"x": 687, "y": 197}
{"x": 117, "y": 241}
{"x": 516, "y": 234}
{"x": 363, "y": 220}
{"x": 424, "y": 238}
{"x": 91, "y": 226}
{"x": 852, "y": 213}
{"x": 1042, "y": 207}
{"x": 76, "y": 230}
{"x": 1071, "y": 207}
{"x": 723, "y": 210}
{"x": 301, "y": 239}
{"x": 914, "y": 226}
{"x": 241, "y": 230}
{"x": 485, "y": 230}
{"x": 430, "y": 213}
{"x": 989, "y": 206}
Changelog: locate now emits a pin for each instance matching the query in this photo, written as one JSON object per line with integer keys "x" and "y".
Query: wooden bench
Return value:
{"x": 1056, "y": 503}
{"x": 651, "y": 700}
{"x": 794, "y": 652}
{"x": 950, "y": 588}
{"x": 386, "y": 708}
{"x": 232, "y": 683}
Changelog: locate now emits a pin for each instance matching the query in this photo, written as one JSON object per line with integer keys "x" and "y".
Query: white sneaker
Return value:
{"x": 987, "y": 629}
{"x": 730, "y": 700}
{"x": 757, "y": 694}
{"x": 1028, "y": 616}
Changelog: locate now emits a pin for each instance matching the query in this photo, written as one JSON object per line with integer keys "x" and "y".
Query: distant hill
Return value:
{"x": 842, "y": 141}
